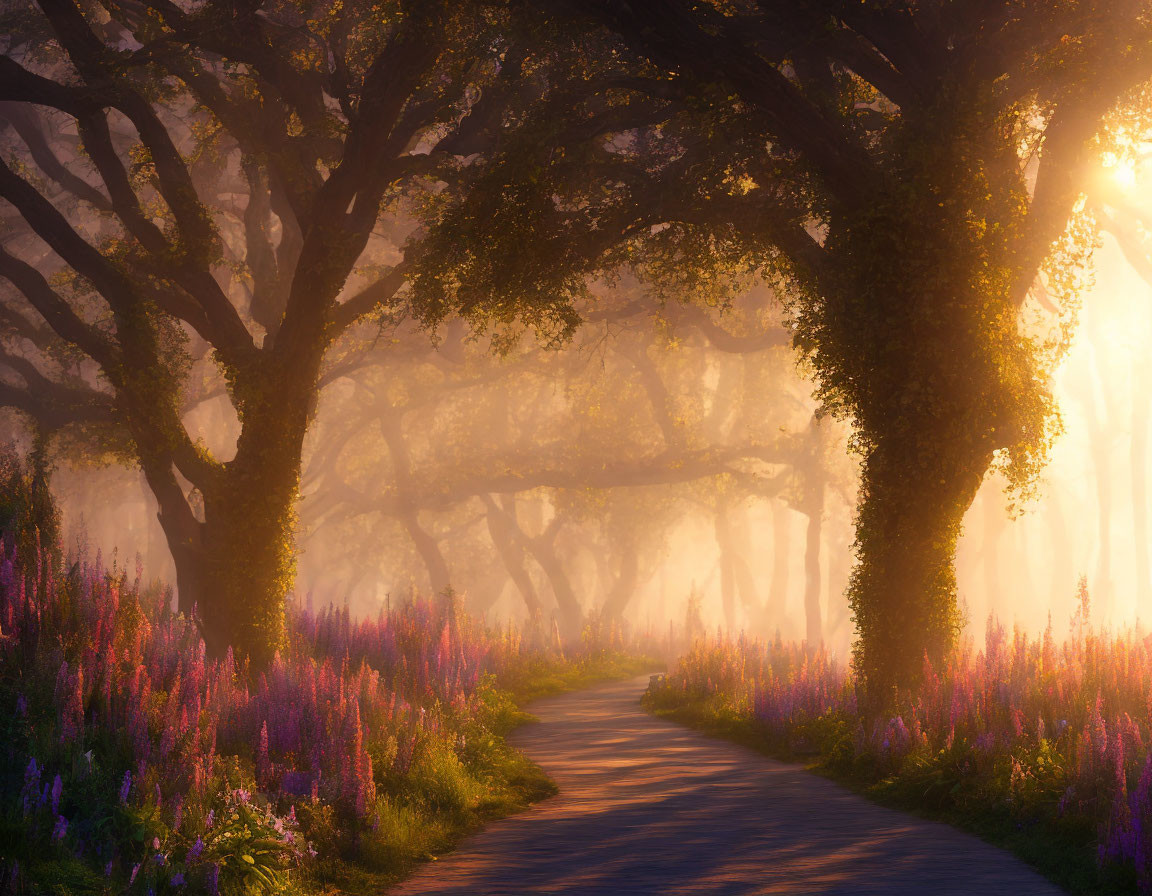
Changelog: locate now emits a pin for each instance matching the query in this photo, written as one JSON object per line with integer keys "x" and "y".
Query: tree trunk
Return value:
{"x": 1102, "y": 472}
{"x": 624, "y": 588}
{"x": 727, "y": 566}
{"x": 813, "y": 621}
{"x": 569, "y": 614}
{"x": 183, "y": 533}
{"x": 391, "y": 428}
{"x": 1063, "y": 582}
{"x": 781, "y": 557}
{"x": 542, "y": 548}
{"x": 995, "y": 522}
{"x": 246, "y": 555}
{"x": 1139, "y": 460}
{"x": 512, "y": 554}
{"x": 839, "y": 551}
{"x": 903, "y": 590}
{"x": 248, "y": 561}
{"x": 746, "y": 588}
{"x": 815, "y": 486}
{"x": 429, "y": 550}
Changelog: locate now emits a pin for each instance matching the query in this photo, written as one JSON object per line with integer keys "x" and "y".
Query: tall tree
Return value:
{"x": 218, "y": 176}
{"x": 906, "y": 168}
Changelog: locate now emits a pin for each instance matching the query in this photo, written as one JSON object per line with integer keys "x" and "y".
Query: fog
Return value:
{"x": 659, "y": 455}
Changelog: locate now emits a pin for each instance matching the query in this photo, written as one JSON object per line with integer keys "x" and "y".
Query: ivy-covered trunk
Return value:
{"x": 903, "y": 590}
{"x": 242, "y": 570}
{"x": 916, "y": 339}
{"x": 247, "y": 559}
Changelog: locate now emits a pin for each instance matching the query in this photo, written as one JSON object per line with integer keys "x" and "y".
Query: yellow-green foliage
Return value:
{"x": 442, "y": 781}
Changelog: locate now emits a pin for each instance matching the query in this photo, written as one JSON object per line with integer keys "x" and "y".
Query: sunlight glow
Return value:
{"x": 1121, "y": 168}
{"x": 1124, "y": 173}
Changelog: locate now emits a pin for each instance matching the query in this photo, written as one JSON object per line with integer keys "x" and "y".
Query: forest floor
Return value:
{"x": 646, "y": 806}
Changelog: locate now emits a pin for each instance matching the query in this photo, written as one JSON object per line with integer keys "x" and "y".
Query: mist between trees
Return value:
{"x": 670, "y": 451}
{"x": 579, "y": 306}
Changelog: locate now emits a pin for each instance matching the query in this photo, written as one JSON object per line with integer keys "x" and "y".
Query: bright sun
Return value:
{"x": 1121, "y": 167}
{"x": 1124, "y": 172}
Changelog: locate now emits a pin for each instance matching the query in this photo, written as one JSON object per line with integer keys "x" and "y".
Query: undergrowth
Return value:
{"x": 1040, "y": 748}
{"x": 133, "y": 763}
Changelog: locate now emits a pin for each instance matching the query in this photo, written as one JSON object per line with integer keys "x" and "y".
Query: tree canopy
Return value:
{"x": 907, "y": 171}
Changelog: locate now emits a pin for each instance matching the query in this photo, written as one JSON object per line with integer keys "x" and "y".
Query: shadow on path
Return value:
{"x": 649, "y": 807}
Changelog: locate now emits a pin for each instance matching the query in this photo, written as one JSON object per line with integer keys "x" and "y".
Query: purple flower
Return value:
{"x": 31, "y": 785}
{"x": 195, "y": 849}
{"x": 57, "y": 790}
{"x": 125, "y": 787}
{"x": 297, "y": 783}
{"x": 32, "y": 774}
{"x": 61, "y": 828}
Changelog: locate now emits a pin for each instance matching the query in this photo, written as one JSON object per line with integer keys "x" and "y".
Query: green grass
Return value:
{"x": 452, "y": 802}
{"x": 545, "y": 678}
{"x": 1063, "y": 851}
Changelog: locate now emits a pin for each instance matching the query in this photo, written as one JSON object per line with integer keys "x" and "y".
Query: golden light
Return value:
{"x": 1121, "y": 168}
{"x": 1124, "y": 172}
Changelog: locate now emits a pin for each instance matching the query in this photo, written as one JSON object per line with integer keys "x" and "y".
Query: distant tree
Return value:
{"x": 1128, "y": 224}
{"x": 645, "y": 420}
{"x": 906, "y": 169}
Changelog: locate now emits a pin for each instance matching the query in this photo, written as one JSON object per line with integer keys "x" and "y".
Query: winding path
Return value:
{"x": 649, "y": 807}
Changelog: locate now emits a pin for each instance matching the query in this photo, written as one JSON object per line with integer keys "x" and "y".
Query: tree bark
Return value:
{"x": 247, "y": 554}
{"x": 243, "y": 568}
{"x": 903, "y": 590}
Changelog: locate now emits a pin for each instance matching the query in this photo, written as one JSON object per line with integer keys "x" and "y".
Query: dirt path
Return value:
{"x": 649, "y": 807}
